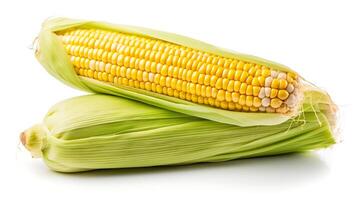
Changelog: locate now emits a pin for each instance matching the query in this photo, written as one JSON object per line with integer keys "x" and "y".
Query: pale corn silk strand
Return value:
{"x": 90, "y": 139}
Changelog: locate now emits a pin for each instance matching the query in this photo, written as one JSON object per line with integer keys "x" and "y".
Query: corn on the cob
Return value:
{"x": 102, "y": 131}
{"x": 176, "y": 73}
{"x": 179, "y": 71}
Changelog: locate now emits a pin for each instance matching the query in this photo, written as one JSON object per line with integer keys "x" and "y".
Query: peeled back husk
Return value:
{"x": 103, "y": 132}
{"x": 52, "y": 55}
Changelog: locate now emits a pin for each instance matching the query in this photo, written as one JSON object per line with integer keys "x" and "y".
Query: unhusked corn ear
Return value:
{"x": 167, "y": 68}
{"x": 102, "y": 132}
{"x": 176, "y": 73}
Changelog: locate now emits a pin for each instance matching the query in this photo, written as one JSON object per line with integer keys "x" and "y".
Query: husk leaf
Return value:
{"x": 78, "y": 136}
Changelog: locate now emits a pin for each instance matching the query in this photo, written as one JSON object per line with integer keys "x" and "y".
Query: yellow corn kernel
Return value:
{"x": 256, "y": 90}
{"x": 244, "y": 76}
{"x": 255, "y": 81}
{"x": 249, "y": 101}
{"x": 276, "y": 103}
{"x": 273, "y": 93}
{"x": 230, "y": 86}
{"x": 241, "y": 100}
{"x": 265, "y": 72}
{"x": 283, "y": 94}
{"x": 283, "y": 84}
{"x": 243, "y": 88}
{"x": 249, "y": 90}
{"x": 257, "y": 102}
{"x": 275, "y": 84}
{"x": 235, "y": 97}
{"x": 220, "y": 95}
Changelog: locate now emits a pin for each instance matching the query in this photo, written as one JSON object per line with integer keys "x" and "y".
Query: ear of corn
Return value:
{"x": 227, "y": 87}
{"x": 102, "y": 131}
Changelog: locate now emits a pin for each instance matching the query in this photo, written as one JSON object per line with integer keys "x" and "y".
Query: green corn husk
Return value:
{"x": 102, "y": 131}
{"x": 51, "y": 54}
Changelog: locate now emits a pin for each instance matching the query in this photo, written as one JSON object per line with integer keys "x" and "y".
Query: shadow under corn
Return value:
{"x": 283, "y": 170}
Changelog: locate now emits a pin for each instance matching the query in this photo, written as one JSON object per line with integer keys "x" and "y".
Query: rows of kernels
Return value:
{"x": 245, "y": 103}
{"x": 219, "y": 83}
{"x": 115, "y": 55}
{"x": 108, "y": 72}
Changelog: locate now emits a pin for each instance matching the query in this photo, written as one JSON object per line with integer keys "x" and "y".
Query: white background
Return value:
{"x": 316, "y": 38}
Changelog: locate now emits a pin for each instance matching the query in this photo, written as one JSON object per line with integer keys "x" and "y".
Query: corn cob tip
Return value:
{"x": 23, "y": 138}
{"x": 34, "y": 139}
